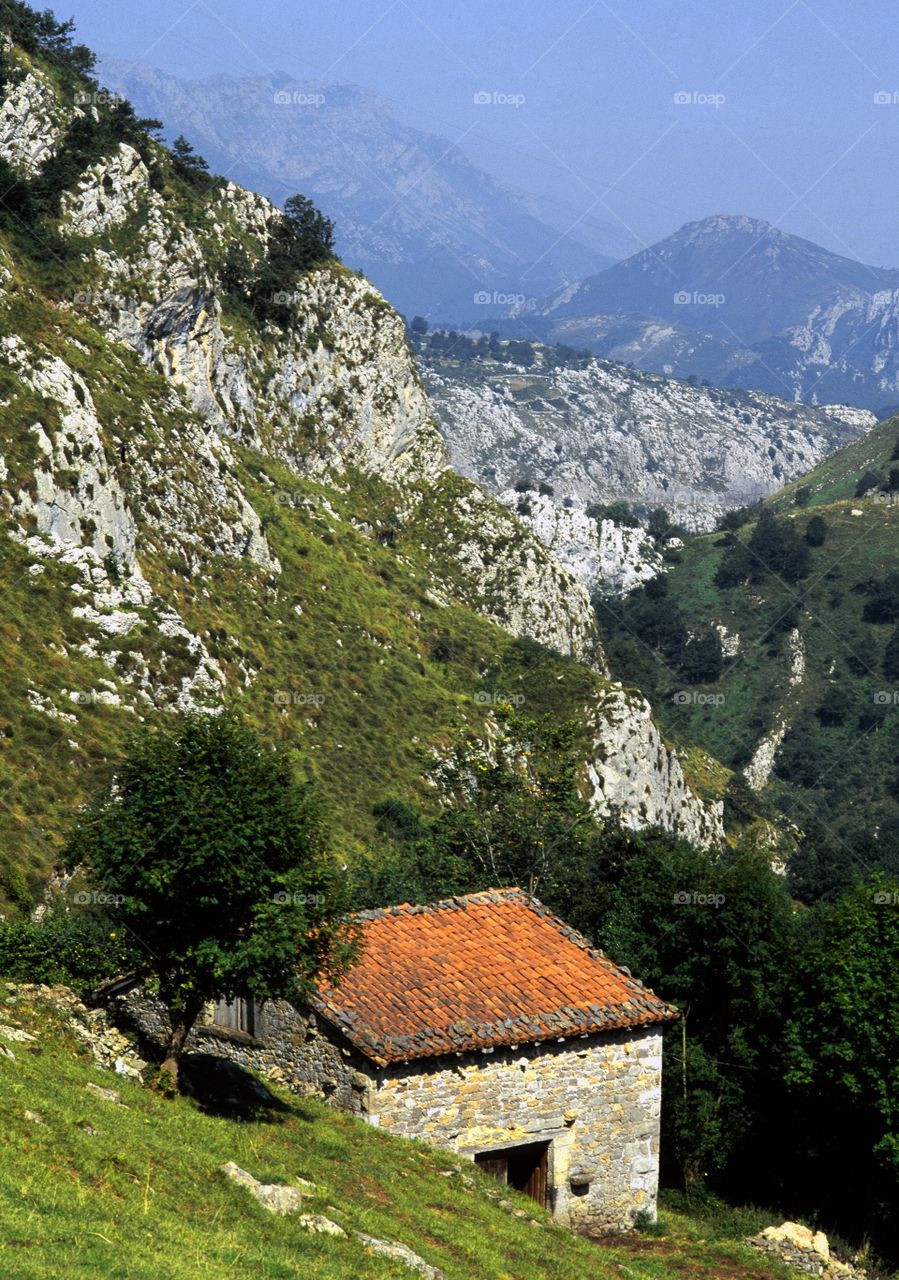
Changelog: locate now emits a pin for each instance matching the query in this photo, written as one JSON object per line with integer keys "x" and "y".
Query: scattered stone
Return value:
{"x": 35, "y": 1117}
{"x": 400, "y": 1253}
{"x": 107, "y": 1046}
{"x": 7, "y": 1053}
{"x": 274, "y": 1196}
{"x": 16, "y": 1034}
{"x": 108, "y": 1095}
{"x": 806, "y": 1250}
{"x": 321, "y": 1225}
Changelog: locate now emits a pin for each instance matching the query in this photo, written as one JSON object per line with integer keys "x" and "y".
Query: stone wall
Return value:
{"x": 595, "y": 1099}
{"x": 292, "y": 1046}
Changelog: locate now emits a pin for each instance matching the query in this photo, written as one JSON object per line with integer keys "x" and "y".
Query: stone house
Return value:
{"x": 484, "y": 1025}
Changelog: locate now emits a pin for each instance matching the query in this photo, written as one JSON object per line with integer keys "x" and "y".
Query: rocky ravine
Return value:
{"x": 125, "y": 470}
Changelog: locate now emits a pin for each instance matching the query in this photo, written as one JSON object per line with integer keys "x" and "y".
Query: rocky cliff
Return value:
{"x": 607, "y": 433}
{"x": 200, "y": 503}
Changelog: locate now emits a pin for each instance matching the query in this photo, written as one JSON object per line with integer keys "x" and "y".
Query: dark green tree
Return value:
{"x": 217, "y": 857}
{"x": 816, "y": 531}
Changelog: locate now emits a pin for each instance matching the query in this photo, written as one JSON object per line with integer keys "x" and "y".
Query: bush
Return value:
{"x": 816, "y": 531}
{"x": 80, "y": 949}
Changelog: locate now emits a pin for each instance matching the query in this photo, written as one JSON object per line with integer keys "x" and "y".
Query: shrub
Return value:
{"x": 79, "y": 948}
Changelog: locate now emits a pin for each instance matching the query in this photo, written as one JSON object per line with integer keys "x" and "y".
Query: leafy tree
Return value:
{"x": 40, "y": 32}
{"x": 75, "y": 946}
{"x": 803, "y": 496}
{"x": 737, "y": 566}
{"x": 419, "y": 325}
{"x": 217, "y": 857}
{"x": 835, "y": 705}
{"x": 703, "y": 660}
{"x": 842, "y": 1043}
{"x": 619, "y": 513}
{"x": 188, "y": 165}
{"x": 777, "y": 548}
{"x": 660, "y": 527}
{"x": 816, "y": 531}
{"x": 883, "y": 602}
{"x": 304, "y": 239}
{"x": 731, "y": 521}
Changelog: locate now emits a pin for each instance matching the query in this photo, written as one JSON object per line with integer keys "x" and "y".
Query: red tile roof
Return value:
{"x": 475, "y": 972}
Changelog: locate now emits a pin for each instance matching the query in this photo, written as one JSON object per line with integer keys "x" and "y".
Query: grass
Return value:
{"x": 134, "y": 1192}
{"x": 347, "y": 657}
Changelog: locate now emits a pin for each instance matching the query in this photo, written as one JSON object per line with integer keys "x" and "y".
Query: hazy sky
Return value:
{"x": 779, "y": 114}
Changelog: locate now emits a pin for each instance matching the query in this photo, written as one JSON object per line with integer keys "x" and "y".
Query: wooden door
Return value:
{"x": 535, "y": 1183}
{"x": 524, "y": 1168}
{"x": 496, "y": 1163}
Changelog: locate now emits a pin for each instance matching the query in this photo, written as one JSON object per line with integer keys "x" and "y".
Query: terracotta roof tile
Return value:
{"x": 484, "y": 970}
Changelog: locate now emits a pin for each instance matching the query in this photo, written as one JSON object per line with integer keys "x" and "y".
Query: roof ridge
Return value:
{"x": 507, "y": 894}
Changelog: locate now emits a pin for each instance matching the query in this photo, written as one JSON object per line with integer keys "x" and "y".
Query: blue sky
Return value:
{"x": 777, "y": 114}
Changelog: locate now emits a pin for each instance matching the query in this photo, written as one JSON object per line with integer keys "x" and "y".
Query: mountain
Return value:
{"x": 437, "y": 235}
{"x": 738, "y": 279}
{"x": 202, "y": 499}
{"x": 739, "y": 302}
{"x": 598, "y": 432}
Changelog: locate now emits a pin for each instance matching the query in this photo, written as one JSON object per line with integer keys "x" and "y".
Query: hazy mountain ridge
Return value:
{"x": 436, "y": 234}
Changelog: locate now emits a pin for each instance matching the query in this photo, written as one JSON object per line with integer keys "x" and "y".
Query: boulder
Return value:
{"x": 277, "y": 1197}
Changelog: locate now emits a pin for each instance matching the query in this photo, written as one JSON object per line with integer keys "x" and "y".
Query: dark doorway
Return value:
{"x": 523, "y": 1168}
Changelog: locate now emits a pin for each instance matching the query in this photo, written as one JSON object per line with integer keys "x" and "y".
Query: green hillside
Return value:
{"x": 93, "y": 1189}
{"x": 810, "y": 649}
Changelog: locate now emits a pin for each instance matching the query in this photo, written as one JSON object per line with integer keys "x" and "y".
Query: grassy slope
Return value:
{"x": 142, "y": 1196}
{"x": 340, "y": 647}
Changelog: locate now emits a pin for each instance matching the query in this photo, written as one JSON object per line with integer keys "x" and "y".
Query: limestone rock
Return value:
{"x": 401, "y": 1253}
{"x": 276, "y": 1197}
{"x": 321, "y": 1225}
{"x": 806, "y": 1250}
{"x": 108, "y": 1095}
